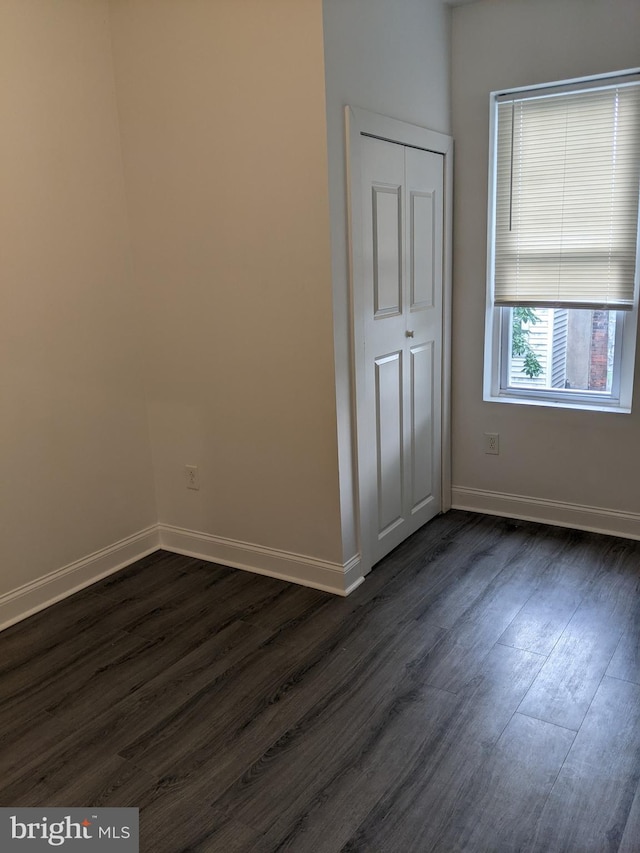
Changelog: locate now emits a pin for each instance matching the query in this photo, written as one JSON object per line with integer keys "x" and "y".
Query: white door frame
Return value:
{"x": 361, "y": 123}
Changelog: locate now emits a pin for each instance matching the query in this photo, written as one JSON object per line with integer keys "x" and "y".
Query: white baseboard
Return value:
{"x": 44, "y": 591}
{"x": 340, "y": 579}
{"x": 308, "y": 571}
{"x": 594, "y": 519}
{"x": 28, "y": 599}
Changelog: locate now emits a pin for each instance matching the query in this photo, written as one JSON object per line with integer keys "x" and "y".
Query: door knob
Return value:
{"x": 409, "y": 334}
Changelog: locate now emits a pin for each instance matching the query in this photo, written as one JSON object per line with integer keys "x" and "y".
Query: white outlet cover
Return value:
{"x": 492, "y": 443}
{"x": 192, "y": 476}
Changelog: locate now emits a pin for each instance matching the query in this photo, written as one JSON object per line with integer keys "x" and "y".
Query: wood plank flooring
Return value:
{"x": 480, "y": 692}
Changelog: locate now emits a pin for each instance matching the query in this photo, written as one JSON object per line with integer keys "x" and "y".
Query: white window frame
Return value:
{"x": 496, "y": 329}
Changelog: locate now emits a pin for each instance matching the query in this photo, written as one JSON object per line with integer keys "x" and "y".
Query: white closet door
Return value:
{"x": 399, "y": 419}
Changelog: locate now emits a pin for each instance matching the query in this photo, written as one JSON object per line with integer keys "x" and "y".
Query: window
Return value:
{"x": 562, "y": 291}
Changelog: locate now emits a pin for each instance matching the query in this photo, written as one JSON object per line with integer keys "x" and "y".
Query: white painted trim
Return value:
{"x": 28, "y": 599}
{"x": 308, "y": 571}
{"x": 392, "y": 130}
{"x": 595, "y": 519}
{"x": 447, "y": 318}
{"x": 20, "y": 603}
{"x": 358, "y": 122}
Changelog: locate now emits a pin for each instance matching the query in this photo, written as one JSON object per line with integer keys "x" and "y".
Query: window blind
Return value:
{"x": 567, "y": 179}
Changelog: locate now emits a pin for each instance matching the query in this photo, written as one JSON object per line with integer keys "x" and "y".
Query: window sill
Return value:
{"x": 582, "y": 404}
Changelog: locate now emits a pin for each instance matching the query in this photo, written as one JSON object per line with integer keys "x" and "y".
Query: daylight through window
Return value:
{"x": 563, "y": 243}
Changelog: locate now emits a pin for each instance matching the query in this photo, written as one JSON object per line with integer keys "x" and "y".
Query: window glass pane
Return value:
{"x": 564, "y": 349}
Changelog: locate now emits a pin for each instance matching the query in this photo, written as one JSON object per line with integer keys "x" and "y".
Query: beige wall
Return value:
{"x": 390, "y": 58}
{"x": 217, "y": 322}
{"x": 575, "y": 457}
{"x": 224, "y": 139}
{"x": 75, "y": 473}
{"x": 237, "y": 315}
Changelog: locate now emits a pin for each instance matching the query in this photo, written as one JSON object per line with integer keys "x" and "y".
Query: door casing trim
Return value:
{"x": 359, "y": 123}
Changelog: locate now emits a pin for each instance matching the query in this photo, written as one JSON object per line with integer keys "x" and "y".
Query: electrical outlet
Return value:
{"x": 193, "y": 477}
{"x": 492, "y": 443}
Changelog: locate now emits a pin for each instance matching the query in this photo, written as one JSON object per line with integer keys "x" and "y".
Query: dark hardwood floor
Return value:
{"x": 480, "y": 693}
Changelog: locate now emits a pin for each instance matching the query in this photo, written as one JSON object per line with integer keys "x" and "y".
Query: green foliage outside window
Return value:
{"x": 520, "y": 345}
